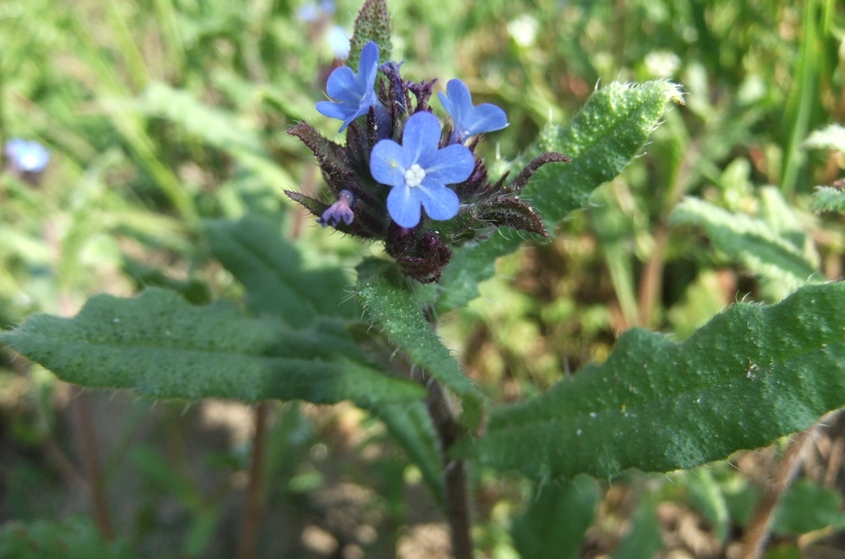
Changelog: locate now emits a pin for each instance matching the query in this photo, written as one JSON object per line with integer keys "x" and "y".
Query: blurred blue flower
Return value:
{"x": 311, "y": 12}
{"x": 354, "y": 93}
{"x": 27, "y": 155}
{"x": 339, "y": 211}
{"x": 419, "y": 172}
{"x": 338, "y": 40}
{"x": 470, "y": 120}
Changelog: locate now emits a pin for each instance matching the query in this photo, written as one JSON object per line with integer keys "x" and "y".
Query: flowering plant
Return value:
{"x": 400, "y": 178}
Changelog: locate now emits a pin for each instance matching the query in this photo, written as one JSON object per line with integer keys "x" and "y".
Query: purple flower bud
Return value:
{"x": 339, "y": 211}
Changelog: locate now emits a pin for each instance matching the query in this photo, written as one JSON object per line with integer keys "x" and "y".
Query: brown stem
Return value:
{"x": 758, "y": 527}
{"x": 454, "y": 473}
{"x": 255, "y": 486}
{"x": 91, "y": 460}
{"x": 651, "y": 283}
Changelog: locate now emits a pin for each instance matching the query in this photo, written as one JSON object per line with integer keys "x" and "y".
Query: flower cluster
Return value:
{"x": 401, "y": 178}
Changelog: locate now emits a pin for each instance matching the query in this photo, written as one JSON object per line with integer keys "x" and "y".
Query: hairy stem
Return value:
{"x": 454, "y": 473}
{"x": 252, "y": 509}
{"x": 758, "y": 527}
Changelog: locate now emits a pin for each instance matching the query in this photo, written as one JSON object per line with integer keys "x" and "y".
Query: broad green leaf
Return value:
{"x": 829, "y": 199}
{"x": 556, "y": 520}
{"x": 752, "y": 374}
{"x": 830, "y": 138}
{"x": 609, "y": 131}
{"x": 750, "y": 241}
{"x": 270, "y": 268}
{"x": 390, "y": 303}
{"x": 160, "y": 346}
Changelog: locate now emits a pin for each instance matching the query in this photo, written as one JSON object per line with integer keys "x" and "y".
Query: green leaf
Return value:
{"x": 829, "y": 199}
{"x": 807, "y": 507}
{"x": 556, "y": 520}
{"x": 644, "y": 539}
{"x": 390, "y": 303}
{"x": 74, "y": 538}
{"x": 270, "y": 268}
{"x": 752, "y": 374}
{"x": 159, "y": 345}
{"x": 706, "y": 496}
{"x": 213, "y": 126}
{"x": 750, "y": 241}
{"x": 372, "y": 24}
{"x": 609, "y": 131}
{"x": 411, "y": 425}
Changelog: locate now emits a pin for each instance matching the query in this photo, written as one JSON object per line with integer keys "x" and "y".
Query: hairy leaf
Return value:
{"x": 389, "y": 302}
{"x": 749, "y": 240}
{"x": 372, "y": 24}
{"x": 270, "y": 268}
{"x": 160, "y": 346}
{"x": 609, "y": 131}
{"x": 752, "y": 374}
{"x": 829, "y": 199}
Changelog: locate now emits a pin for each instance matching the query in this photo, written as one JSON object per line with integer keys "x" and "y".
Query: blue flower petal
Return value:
{"x": 470, "y": 120}
{"x": 420, "y": 137}
{"x": 418, "y": 172}
{"x": 403, "y": 205}
{"x": 486, "y": 118}
{"x": 353, "y": 94}
{"x": 332, "y": 110}
{"x": 27, "y": 155}
{"x": 343, "y": 85}
{"x": 368, "y": 64}
{"x": 450, "y": 165}
{"x": 439, "y": 202}
{"x": 387, "y": 163}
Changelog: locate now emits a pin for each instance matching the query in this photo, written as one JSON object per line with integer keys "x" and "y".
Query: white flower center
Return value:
{"x": 414, "y": 175}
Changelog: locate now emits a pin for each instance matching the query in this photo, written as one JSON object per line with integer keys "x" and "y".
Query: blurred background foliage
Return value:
{"x": 161, "y": 113}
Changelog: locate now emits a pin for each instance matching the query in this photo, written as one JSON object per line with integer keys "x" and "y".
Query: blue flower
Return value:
{"x": 419, "y": 172}
{"x": 469, "y": 120}
{"x": 27, "y": 155}
{"x": 338, "y": 40}
{"x": 339, "y": 211}
{"x": 354, "y": 93}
